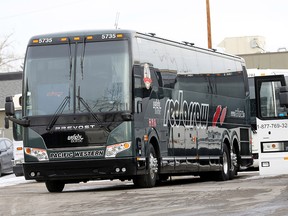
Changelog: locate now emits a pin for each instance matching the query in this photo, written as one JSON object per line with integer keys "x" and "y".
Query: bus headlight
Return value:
{"x": 113, "y": 150}
{"x": 38, "y": 153}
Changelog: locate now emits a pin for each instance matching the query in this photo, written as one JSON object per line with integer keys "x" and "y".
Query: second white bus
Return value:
{"x": 269, "y": 120}
{"x": 17, "y": 138}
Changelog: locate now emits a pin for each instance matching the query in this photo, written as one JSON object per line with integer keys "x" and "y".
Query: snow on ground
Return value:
{"x": 11, "y": 179}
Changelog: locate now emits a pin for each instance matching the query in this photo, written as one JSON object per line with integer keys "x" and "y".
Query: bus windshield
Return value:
{"x": 77, "y": 78}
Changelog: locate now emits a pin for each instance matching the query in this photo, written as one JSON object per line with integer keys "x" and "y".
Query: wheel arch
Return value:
{"x": 236, "y": 142}
{"x": 154, "y": 140}
{"x": 155, "y": 144}
{"x": 226, "y": 141}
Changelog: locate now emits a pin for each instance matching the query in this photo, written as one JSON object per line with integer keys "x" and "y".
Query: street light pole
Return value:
{"x": 208, "y": 25}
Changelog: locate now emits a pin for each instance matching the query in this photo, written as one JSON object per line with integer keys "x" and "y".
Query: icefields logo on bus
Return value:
{"x": 180, "y": 112}
{"x": 76, "y": 138}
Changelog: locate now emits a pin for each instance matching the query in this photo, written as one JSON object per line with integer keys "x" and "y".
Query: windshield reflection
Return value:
{"x": 102, "y": 80}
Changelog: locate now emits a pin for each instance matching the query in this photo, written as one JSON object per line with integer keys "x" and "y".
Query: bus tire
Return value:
{"x": 54, "y": 186}
{"x": 234, "y": 164}
{"x": 224, "y": 173}
{"x": 148, "y": 180}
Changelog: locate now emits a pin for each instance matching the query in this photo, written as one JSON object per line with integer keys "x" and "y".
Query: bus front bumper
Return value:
{"x": 84, "y": 170}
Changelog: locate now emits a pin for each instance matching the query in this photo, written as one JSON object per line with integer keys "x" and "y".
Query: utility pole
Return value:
{"x": 208, "y": 24}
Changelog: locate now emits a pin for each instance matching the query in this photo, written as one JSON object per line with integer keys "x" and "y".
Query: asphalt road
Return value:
{"x": 248, "y": 194}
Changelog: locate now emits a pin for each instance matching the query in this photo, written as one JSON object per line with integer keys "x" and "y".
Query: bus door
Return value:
{"x": 148, "y": 104}
{"x": 272, "y": 124}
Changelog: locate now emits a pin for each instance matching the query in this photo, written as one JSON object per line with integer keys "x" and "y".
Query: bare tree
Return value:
{"x": 8, "y": 59}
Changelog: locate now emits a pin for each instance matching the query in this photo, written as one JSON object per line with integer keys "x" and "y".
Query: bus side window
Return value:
{"x": 160, "y": 83}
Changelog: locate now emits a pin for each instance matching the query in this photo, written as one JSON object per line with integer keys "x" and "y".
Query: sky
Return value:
{"x": 182, "y": 20}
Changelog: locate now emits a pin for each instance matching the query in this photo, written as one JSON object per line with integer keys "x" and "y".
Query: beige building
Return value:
{"x": 252, "y": 49}
{"x": 10, "y": 84}
{"x": 269, "y": 60}
{"x": 243, "y": 45}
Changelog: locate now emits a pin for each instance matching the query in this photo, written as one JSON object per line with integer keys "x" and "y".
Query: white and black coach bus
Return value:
{"x": 125, "y": 105}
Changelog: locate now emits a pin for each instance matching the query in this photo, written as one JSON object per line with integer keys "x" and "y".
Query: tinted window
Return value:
{"x": 48, "y": 77}
{"x": 196, "y": 83}
{"x": 230, "y": 85}
{"x": 104, "y": 80}
{"x": 194, "y": 69}
{"x": 98, "y": 78}
{"x": 168, "y": 79}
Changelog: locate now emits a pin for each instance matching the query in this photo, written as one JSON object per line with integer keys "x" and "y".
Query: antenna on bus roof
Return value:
{"x": 152, "y": 34}
{"x": 188, "y": 43}
{"x": 117, "y": 20}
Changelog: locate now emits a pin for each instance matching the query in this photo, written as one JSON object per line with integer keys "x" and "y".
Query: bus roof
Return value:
{"x": 83, "y": 33}
{"x": 132, "y": 33}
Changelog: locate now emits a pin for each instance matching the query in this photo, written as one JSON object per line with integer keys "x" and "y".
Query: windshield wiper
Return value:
{"x": 57, "y": 113}
{"x": 97, "y": 120}
{"x": 93, "y": 115}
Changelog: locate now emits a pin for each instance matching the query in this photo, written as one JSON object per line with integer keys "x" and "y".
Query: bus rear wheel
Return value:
{"x": 234, "y": 164}
{"x": 54, "y": 186}
{"x": 149, "y": 179}
{"x": 224, "y": 173}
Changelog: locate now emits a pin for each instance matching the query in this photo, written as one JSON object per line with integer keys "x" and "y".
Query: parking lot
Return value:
{"x": 247, "y": 194}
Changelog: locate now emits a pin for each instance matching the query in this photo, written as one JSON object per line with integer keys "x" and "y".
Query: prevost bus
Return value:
{"x": 269, "y": 120}
{"x": 125, "y": 105}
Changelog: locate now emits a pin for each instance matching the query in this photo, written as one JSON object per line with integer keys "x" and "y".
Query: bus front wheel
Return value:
{"x": 149, "y": 179}
{"x": 54, "y": 186}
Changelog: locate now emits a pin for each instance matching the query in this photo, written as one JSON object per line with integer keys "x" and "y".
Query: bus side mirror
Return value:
{"x": 283, "y": 96}
{"x": 9, "y": 106}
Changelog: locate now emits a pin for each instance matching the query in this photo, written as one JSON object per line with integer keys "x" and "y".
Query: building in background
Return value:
{"x": 252, "y": 49}
{"x": 243, "y": 45}
{"x": 268, "y": 60}
{"x": 10, "y": 84}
